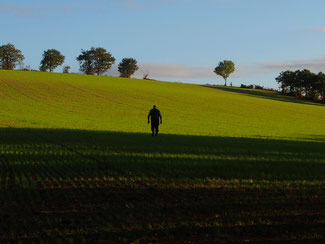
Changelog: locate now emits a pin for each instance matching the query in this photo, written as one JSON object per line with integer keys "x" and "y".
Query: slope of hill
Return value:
{"x": 46, "y": 100}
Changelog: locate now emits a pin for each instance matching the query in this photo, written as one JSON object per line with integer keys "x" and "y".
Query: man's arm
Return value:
{"x": 149, "y": 117}
{"x": 160, "y": 117}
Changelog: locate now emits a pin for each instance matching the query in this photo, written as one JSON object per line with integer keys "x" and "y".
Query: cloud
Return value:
{"x": 19, "y": 11}
{"x": 315, "y": 65}
{"x": 315, "y": 29}
{"x": 175, "y": 71}
{"x": 321, "y": 29}
{"x": 29, "y": 10}
{"x": 149, "y": 3}
{"x": 25, "y": 11}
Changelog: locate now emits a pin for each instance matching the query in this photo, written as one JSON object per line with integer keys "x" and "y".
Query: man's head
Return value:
{"x": 154, "y": 106}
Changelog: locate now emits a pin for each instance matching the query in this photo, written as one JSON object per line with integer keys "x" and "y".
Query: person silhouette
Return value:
{"x": 155, "y": 115}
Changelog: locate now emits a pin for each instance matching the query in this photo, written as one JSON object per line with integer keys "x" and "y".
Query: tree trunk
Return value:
{"x": 6, "y": 66}
{"x": 225, "y": 82}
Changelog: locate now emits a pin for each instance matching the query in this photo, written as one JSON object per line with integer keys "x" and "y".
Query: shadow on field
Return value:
{"x": 102, "y": 153}
{"x": 75, "y": 186}
{"x": 265, "y": 94}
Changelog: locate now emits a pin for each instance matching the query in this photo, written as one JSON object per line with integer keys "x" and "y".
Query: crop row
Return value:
{"x": 91, "y": 192}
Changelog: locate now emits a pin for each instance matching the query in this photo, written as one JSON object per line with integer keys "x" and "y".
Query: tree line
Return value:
{"x": 302, "y": 84}
{"x": 94, "y": 61}
{"x": 299, "y": 83}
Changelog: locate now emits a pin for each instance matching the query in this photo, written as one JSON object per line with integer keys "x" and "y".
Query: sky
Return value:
{"x": 174, "y": 40}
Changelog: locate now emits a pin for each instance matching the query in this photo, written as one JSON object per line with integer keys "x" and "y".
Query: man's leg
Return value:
{"x": 153, "y": 129}
{"x": 157, "y": 129}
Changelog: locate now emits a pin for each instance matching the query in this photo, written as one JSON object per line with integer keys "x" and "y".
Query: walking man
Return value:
{"x": 155, "y": 116}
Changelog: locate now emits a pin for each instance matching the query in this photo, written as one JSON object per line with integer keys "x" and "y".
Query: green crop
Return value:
{"x": 44, "y": 100}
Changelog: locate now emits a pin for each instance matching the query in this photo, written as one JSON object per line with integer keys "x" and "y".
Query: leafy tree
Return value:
{"x": 42, "y": 68}
{"x": 95, "y": 61}
{"x": 66, "y": 69}
{"x": 307, "y": 83}
{"x": 286, "y": 79}
{"x": 320, "y": 85}
{"x": 303, "y": 83}
{"x": 224, "y": 69}
{"x": 10, "y": 56}
{"x": 51, "y": 59}
{"x": 298, "y": 83}
{"x": 127, "y": 67}
{"x": 247, "y": 86}
{"x": 86, "y": 61}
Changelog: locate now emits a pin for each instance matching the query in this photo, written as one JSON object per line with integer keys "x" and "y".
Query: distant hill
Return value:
{"x": 72, "y": 101}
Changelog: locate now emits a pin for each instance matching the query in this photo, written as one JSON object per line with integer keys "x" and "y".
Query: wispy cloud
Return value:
{"x": 315, "y": 65}
{"x": 148, "y": 3}
{"x": 26, "y": 11}
{"x": 176, "y": 71}
{"x": 316, "y": 29}
{"x": 19, "y": 11}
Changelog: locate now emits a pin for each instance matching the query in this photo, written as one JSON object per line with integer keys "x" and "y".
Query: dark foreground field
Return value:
{"x": 86, "y": 186}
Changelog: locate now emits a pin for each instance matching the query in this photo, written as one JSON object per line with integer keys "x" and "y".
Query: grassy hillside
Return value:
{"x": 78, "y": 165}
{"x": 44, "y": 100}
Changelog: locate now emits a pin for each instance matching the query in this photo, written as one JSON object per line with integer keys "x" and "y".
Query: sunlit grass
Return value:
{"x": 44, "y": 100}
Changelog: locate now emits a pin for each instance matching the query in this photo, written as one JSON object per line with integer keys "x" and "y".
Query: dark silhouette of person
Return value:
{"x": 155, "y": 115}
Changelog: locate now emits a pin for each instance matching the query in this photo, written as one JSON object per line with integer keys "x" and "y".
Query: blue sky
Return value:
{"x": 175, "y": 40}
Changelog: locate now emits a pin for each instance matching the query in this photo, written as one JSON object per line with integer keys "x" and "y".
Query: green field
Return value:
{"x": 231, "y": 165}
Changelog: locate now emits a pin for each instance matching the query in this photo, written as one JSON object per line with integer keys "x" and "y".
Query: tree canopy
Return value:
{"x": 302, "y": 83}
{"x": 224, "y": 69}
{"x": 128, "y": 67}
{"x": 10, "y": 56}
{"x": 51, "y": 59}
{"x": 66, "y": 69}
{"x": 95, "y": 61}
